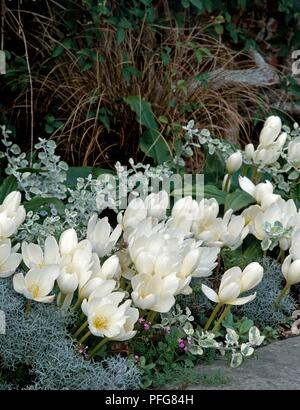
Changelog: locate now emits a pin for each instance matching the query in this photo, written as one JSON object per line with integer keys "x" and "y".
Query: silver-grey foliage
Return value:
{"x": 262, "y": 310}
{"x": 40, "y": 340}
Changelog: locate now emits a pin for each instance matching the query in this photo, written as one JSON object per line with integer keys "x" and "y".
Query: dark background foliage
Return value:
{"x": 111, "y": 79}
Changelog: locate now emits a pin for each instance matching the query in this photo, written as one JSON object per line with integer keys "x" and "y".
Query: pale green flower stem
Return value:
{"x": 78, "y": 303}
{"x": 227, "y": 183}
{"x": 283, "y": 292}
{"x": 151, "y": 316}
{"x": 28, "y": 307}
{"x": 84, "y": 337}
{"x": 212, "y": 316}
{"x": 80, "y": 329}
{"x": 221, "y": 318}
{"x": 256, "y": 176}
{"x": 281, "y": 255}
{"x": 97, "y": 347}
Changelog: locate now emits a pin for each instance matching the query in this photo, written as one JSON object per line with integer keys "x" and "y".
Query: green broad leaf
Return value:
{"x": 9, "y": 185}
{"x": 238, "y": 200}
{"x": 58, "y": 50}
{"x": 151, "y": 143}
{"x": 246, "y": 350}
{"x": 198, "y": 4}
{"x": 83, "y": 172}
{"x": 38, "y": 203}
{"x": 211, "y": 191}
{"x": 236, "y": 360}
{"x": 245, "y": 326}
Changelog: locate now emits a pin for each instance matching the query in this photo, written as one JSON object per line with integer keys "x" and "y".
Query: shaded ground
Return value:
{"x": 277, "y": 366}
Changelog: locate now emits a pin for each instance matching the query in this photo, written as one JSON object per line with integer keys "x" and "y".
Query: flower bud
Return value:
{"x": 249, "y": 151}
{"x": 234, "y": 162}
{"x": 270, "y": 131}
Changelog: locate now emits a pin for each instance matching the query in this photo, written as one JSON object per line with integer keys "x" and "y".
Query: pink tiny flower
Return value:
{"x": 141, "y": 320}
{"x": 146, "y": 326}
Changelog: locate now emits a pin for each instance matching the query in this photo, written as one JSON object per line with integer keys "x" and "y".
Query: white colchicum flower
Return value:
{"x": 271, "y": 143}
{"x": 75, "y": 270}
{"x": 234, "y": 162}
{"x": 106, "y": 317}
{"x": 295, "y": 244}
{"x": 9, "y": 259}
{"x": 249, "y": 151}
{"x": 135, "y": 213}
{"x": 282, "y": 215}
{"x": 154, "y": 292}
{"x": 262, "y": 192}
{"x": 36, "y": 285}
{"x": 215, "y": 231}
{"x": 34, "y": 256}
{"x": 291, "y": 270}
{"x": 12, "y": 214}
{"x": 186, "y": 208}
{"x": 233, "y": 283}
{"x": 101, "y": 235}
{"x": 157, "y": 204}
{"x": 270, "y": 131}
{"x": 294, "y": 152}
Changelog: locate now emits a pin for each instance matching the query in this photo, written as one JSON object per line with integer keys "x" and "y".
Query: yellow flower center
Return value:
{"x": 35, "y": 290}
{"x": 100, "y": 322}
{"x": 40, "y": 265}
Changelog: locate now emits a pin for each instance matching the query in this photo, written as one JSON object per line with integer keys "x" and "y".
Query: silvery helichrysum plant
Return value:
{"x": 199, "y": 340}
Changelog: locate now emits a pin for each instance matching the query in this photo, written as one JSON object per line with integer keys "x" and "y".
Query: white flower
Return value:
{"x": 229, "y": 289}
{"x": 295, "y": 244}
{"x": 135, "y": 213}
{"x": 127, "y": 332}
{"x": 105, "y": 317}
{"x": 291, "y": 270}
{"x": 68, "y": 241}
{"x": 157, "y": 204}
{"x": 35, "y": 257}
{"x": 154, "y": 292}
{"x": 249, "y": 151}
{"x": 213, "y": 231}
{"x": 185, "y": 207}
{"x": 37, "y": 284}
{"x": 75, "y": 270}
{"x": 12, "y": 214}
{"x": 9, "y": 260}
{"x": 270, "y": 131}
{"x": 258, "y": 191}
{"x": 233, "y": 230}
{"x": 251, "y": 276}
{"x": 281, "y": 211}
{"x": 234, "y": 162}
{"x": 294, "y": 152}
{"x": 101, "y": 236}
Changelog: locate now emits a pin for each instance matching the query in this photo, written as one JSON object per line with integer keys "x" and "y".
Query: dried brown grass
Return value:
{"x": 76, "y": 98}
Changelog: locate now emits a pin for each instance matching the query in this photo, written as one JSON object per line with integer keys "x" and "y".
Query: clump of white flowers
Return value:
{"x": 114, "y": 275}
{"x": 276, "y": 154}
